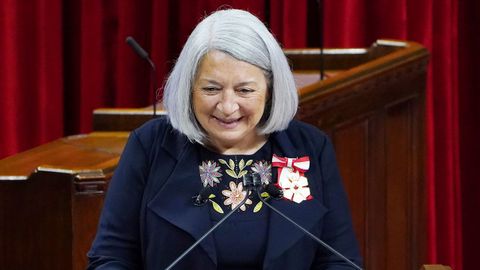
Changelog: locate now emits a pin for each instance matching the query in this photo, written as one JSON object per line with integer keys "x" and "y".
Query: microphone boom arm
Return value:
{"x": 186, "y": 252}
{"x": 308, "y": 233}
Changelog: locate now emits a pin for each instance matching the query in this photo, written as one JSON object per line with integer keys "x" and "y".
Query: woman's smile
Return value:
{"x": 228, "y": 123}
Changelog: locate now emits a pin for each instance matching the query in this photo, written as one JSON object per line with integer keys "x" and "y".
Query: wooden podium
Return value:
{"x": 371, "y": 104}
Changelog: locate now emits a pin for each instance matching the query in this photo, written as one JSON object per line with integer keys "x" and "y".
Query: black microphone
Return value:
{"x": 202, "y": 196}
{"x": 325, "y": 245}
{"x": 137, "y": 48}
{"x": 274, "y": 191}
{"x": 248, "y": 184}
{"x": 144, "y": 55}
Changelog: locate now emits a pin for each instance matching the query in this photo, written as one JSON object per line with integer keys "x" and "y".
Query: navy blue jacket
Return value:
{"x": 148, "y": 218}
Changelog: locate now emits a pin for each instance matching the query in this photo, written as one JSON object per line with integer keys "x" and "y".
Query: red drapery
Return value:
{"x": 59, "y": 60}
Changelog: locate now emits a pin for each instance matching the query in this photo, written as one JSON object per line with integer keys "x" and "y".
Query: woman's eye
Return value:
{"x": 209, "y": 89}
{"x": 246, "y": 90}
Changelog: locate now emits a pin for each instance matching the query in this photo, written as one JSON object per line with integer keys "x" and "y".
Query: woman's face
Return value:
{"x": 229, "y": 98}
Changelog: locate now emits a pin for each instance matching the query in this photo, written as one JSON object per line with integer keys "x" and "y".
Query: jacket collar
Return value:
{"x": 173, "y": 201}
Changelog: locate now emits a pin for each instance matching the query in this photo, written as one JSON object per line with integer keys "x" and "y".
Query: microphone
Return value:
{"x": 203, "y": 195}
{"x": 275, "y": 193}
{"x": 137, "y": 48}
{"x": 144, "y": 55}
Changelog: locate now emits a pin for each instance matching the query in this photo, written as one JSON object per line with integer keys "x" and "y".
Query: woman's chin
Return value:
{"x": 231, "y": 138}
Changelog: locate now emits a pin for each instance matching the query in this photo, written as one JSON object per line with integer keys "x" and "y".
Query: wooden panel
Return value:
{"x": 399, "y": 179}
{"x": 376, "y": 209}
{"x": 376, "y": 154}
{"x": 435, "y": 267}
{"x": 35, "y": 223}
{"x": 86, "y": 208}
{"x": 108, "y": 119}
{"x": 340, "y": 59}
{"x": 351, "y": 148}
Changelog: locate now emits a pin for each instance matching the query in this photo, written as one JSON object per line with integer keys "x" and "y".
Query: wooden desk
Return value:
{"x": 50, "y": 200}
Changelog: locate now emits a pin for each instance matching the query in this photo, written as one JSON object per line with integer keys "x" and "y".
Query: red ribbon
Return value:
{"x": 301, "y": 164}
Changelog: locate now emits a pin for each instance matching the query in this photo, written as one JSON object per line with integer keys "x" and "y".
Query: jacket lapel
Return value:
{"x": 283, "y": 234}
{"x": 173, "y": 202}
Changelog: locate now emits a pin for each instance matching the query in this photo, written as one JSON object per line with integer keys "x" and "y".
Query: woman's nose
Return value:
{"x": 228, "y": 103}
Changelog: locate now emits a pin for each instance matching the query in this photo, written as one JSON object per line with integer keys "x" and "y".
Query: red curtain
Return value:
{"x": 59, "y": 60}
{"x": 469, "y": 128}
{"x": 31, "y": 74}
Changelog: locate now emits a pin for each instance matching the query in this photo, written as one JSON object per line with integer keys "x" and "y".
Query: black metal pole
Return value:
{"x": 322, "y": 61}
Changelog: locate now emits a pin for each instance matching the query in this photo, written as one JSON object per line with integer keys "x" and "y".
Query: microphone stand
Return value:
{"x": 185, "y": 253}
{"x": 154, "y": 84}
{"x": 144, "y": 55}
{"x": 307, "y": 232}
{"x": 321, "y": 41}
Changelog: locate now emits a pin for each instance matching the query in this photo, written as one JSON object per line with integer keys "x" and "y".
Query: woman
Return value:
{"x": 230, "y": 99}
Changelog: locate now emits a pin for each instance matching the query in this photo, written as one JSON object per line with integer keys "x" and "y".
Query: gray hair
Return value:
{"x": 244, "y": 37}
